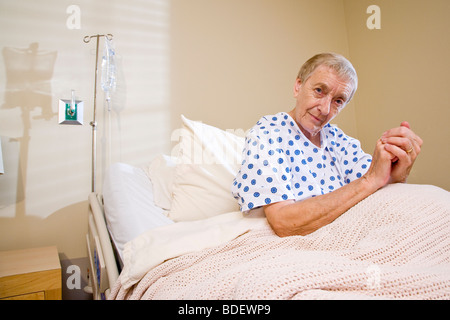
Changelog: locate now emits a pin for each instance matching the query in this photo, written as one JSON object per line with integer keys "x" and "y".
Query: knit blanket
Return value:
{"x": 395, "y": 244}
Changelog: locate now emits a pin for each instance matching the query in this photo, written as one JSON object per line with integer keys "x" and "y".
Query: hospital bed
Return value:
{"x": 172, "y": 230}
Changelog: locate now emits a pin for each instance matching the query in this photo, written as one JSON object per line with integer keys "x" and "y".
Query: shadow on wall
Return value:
{"x": 61, "y": 225}
{"x": 28, "y": 86}
{"x": 28, "y": 79}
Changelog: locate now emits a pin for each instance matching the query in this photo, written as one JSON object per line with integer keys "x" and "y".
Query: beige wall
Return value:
{"x": 404, "y": 75}
{"x": 224, "y": 62}
{"x": 234, "y": 61}
{"x": 43, "y": 193}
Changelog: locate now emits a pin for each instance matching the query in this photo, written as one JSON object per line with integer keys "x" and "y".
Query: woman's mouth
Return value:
{"x": 315, "y": 119}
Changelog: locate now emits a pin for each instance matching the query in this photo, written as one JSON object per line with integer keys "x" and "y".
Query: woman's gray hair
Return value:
{"x": 335, "y": 61}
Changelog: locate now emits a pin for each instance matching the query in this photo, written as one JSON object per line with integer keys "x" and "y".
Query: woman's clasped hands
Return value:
{"x": 394, "y": 155}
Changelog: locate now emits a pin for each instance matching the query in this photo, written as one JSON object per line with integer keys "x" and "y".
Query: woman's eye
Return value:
{"x": 340, "y": 103}
{"x": 318, "y": 90}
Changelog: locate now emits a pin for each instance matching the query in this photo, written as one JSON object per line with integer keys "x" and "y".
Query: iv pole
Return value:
{"x": 93, "y": 123}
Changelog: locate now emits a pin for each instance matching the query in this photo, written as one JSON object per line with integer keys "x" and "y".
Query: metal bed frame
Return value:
{"x": 104, "y": 265}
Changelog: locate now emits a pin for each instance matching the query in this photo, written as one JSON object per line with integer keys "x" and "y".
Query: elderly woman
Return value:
{"x": 304, "y": 172}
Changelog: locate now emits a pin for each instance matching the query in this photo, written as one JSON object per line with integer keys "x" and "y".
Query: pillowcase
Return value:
{"x": 161, "y": 172}
{"x": 128, "y": 204}
{"x": 208, "y": 161}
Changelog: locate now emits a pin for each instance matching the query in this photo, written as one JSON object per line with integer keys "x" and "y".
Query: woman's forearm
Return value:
{"x": 289, "y": 218}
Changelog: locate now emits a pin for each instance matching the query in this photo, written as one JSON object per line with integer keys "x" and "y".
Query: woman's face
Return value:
{"x": 323, "y": 95}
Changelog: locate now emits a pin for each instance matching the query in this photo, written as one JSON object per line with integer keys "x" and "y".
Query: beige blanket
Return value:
{"x": 393, "y": 245}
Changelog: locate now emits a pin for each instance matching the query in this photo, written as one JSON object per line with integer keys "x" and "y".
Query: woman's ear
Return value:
{"x": 297, "y": 85}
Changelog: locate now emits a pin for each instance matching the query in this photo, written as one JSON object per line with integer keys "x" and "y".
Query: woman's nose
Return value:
{"x": 325, "y": 106}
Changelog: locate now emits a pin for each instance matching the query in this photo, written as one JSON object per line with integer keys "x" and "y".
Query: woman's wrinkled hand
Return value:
{"x": 405, "y": 145}
{"x": 394, "y": 156}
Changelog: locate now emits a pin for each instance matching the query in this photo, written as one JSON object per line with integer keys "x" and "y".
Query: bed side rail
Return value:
{"x": 104, "y": 271}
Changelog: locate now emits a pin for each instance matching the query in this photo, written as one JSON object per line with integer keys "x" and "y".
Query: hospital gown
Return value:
{"x": 280, "y": 163}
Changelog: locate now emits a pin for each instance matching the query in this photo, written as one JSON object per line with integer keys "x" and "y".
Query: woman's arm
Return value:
{"x": 289, "y": 218}
{"x": 301, "y": 218}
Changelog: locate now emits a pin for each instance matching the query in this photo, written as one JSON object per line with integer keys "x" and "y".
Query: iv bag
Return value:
{"x": 108, "y": 68}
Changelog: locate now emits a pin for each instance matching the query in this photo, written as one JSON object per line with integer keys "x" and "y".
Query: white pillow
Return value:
{"x": 161, "y": 172}
{"x": 208, "y": 161}
{"x": 128, "y": 204}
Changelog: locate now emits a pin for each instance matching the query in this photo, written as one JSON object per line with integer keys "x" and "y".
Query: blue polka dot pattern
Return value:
{"x": 280, "y": 163}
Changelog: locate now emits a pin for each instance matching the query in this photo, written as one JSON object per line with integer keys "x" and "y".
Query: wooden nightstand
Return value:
{"x": 30, "y": 274}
